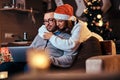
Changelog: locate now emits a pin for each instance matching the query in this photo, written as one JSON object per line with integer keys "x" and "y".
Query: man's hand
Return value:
{"x": 47, "y": 35}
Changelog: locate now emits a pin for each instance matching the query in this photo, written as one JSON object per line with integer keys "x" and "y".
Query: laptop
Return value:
{"x": 18, "y": 53}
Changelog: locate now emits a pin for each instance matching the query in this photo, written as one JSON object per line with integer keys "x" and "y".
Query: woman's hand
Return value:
{"x": 47, "y": 35}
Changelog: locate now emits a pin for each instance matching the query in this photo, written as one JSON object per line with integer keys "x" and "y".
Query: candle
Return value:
{"x": 13, "y": 2}
{"x": 38, "y": 59}
{"x": 3, "y": 75}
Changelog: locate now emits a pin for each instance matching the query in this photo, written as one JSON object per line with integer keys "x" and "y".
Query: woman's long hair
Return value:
{"x": 68, "y": 26}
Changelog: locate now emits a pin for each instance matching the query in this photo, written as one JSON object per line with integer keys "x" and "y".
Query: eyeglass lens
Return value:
{"x": 50, "y": 20}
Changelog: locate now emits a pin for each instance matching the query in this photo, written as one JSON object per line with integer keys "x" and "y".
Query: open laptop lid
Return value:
{"x": 18, "y": 53}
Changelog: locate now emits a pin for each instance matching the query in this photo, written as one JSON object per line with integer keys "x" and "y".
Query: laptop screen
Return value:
{"x": 19, "y": 53}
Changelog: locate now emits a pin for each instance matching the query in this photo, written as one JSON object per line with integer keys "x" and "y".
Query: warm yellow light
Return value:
{"x": 38, "y": 59}
{"x": 3, "y": 75}
{"x": 86, "y": 23}
{"x": 85, "y": 11}
{"x": 93, "y": 21}
{"x": 93, "y": 8}
{"x": 90, "y": 14}
{"x": 93, "y": 1}
{"x": 98, "y": 7}
{"x": 89, "y": 3}
{"x": 100, "y": 23}
{"x": 91, "y": 24}
{"x": 99, "y": 16}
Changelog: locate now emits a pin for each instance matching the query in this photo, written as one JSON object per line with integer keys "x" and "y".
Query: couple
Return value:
{"x": 61, "y": 35}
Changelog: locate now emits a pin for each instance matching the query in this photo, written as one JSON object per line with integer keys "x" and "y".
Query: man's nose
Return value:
{"x": 47, "y": 24}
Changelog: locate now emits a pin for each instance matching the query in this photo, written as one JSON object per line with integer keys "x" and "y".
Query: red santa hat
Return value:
{"x": 63, "y": 12}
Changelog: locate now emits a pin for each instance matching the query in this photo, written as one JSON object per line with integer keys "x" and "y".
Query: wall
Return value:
{"x": 114, "y": 17}
{"x": 18, "y": 22}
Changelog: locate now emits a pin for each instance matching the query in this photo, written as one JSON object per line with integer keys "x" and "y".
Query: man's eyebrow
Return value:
{"x": 51, "y": 18}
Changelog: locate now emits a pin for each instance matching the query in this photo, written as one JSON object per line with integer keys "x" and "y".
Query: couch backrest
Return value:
{"x": 92, "y": 47}
{"x": 108, "y": 47}
{"x": 89, "y": 48}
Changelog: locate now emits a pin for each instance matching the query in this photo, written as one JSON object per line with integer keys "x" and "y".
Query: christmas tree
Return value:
{"x": 93, "y": 14}
{"x": 95, "y": 22}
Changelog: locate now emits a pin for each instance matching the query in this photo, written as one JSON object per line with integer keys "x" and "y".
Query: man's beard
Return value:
{"x": 53, "y": 29}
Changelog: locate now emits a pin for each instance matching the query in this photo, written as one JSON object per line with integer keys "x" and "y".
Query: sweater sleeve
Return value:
{"x": 35, "y": 42}
{"x": 42, "y": 30}
{"x": 63, "y": 61}
{"x": 67, "y": 44}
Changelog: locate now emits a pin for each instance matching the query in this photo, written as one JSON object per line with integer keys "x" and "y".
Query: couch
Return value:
{"x": 92, "y": 47}
{"x": 107, "y": 62}
{"x": 99, "y": 62}
{"x": 87, "y": 50}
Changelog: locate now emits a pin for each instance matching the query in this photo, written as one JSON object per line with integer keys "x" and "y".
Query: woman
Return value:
{"x": 79, "y": 31}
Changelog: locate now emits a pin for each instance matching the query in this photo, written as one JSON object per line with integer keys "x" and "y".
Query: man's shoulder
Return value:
{"x": 41, "y": 30}
{"x": 42, "y": 27}
{"x": 38, "y": 38}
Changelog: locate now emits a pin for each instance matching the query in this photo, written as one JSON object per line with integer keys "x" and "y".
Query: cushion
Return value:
{"x": 91, "y": 47}
{"x": 103, "y": 63}
{"x": 5, "y": 55}
{"x": 108, "y": 47}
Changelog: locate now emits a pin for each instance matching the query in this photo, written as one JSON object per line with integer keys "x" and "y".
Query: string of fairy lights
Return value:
{"x": 95, "y": 20}
{"x": 93, "y": 13}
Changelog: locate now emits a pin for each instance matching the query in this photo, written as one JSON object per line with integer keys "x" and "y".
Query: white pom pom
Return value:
{"x": 73, "y": 18}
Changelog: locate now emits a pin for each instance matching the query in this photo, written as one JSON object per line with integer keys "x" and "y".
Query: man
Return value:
{"x": 58, "y": 57}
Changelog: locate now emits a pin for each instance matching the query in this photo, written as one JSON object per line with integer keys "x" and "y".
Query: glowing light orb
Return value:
{"x": 38, "y": 59}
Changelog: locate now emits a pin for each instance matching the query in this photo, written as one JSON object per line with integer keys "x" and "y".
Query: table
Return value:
{"x": 66, "y": 75}
{"x": 22, "y": 43}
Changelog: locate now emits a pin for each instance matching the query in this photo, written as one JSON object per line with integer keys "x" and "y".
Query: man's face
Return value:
{"x": 50, "y": 22}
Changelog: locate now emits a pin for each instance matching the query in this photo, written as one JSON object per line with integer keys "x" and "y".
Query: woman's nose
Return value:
{"x": 57, "y": 23}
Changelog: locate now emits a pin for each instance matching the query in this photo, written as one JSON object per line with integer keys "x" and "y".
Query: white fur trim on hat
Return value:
{"x": 61, "y": 16}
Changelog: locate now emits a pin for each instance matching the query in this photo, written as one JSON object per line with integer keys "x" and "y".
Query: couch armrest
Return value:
{"x": 108, "y": 47}
{"x": 104, "y": 63}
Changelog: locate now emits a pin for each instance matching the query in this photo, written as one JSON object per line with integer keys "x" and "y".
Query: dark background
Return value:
{"x": 19, "y": 22}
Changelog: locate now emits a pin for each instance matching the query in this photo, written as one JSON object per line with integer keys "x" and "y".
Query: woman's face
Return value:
{"x": 60, "y": 24}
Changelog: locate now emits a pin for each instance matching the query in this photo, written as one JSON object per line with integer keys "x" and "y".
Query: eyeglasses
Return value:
{"x": 50, "y": 20}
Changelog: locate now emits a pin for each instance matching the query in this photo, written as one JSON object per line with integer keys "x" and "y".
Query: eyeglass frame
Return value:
{"x": 50, "y": 20}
